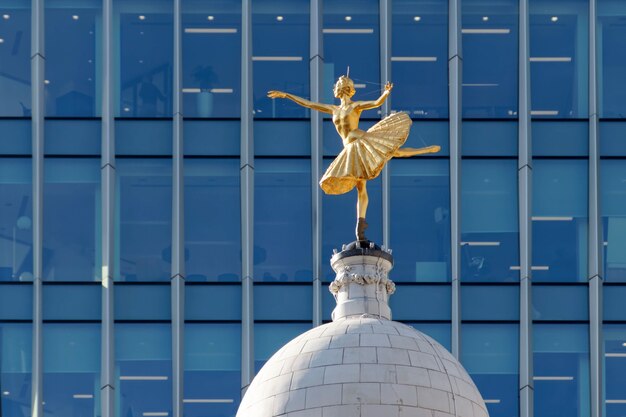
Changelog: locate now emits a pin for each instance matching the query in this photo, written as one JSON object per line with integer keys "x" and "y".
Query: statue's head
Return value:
{"x": 344, "y": 87}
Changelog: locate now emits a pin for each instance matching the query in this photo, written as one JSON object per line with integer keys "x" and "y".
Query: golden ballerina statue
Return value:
{"x": 364, "y": 153}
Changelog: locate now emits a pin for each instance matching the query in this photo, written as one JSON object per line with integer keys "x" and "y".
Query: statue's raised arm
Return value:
{"x": 324, "y": 108}
{"x": 367, "y": 105}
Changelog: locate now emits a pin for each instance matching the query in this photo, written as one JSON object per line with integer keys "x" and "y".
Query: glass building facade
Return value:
{"x": 162, "y": 232}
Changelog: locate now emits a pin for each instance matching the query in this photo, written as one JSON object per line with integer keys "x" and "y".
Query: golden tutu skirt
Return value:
{"x": 365, "y": 157}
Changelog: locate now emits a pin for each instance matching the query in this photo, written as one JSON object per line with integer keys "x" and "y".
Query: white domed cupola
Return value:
{"x": 362, "y": 364}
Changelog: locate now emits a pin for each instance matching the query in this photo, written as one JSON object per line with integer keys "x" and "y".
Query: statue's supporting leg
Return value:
{"x": 361, "y": 208}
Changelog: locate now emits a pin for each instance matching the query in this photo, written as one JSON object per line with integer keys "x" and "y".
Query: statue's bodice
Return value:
{"x": 346, "y": 121}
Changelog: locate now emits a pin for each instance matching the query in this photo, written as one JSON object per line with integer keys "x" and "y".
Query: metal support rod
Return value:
{"x": 108, "y": 178}
{"x": 247, "y": 199}
{"x": 316, "y": 64}
{"x": 385, "y": 75}
{"x": 455, "y": 71}
{"x": 178, "y": 225}
{"x": 37, "y": 62}
{"x": 525, "y": 212}
{"x": 596, "y": 240}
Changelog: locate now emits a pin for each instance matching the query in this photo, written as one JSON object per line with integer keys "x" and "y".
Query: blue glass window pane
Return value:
{"x": 212, "y": 378}
{"x": 211, "y": 58}
{"x": 72, "y": 302}
{"x": 421, "y": 303}
{"x": 16, "y": 240}
{"x": 15, "y": 56}
{"x": 73, "y": 41}
{"x": 155, "y": 302}
{"x": 212, "y": 302}
{"x": 561, "y": 369}
{"x": 492, "y": 138}
{"x": 215, "y": 137}
{"x": 420, "y": 219}
{"x": 351, "y": 38}
{"x": 490, "y": 58}
{"x": 489, "y": 353}
{"x": 144, "y": 222}
{"x": 16, "y": 136}
{"x": 438, "y": 331}
{"x": 339, "y": 220}
{"x": 144, "y": 49}
{"x": 280, "y": 43}
{"x": 559, "y": 220}
{"x": 71, "y": 243}
{"x": 143, "y": 137}
{"x": 284, "y": 137}
{"x": 612, "y": 63}
{"x": 16, "y": 302}
{"x": 71, "y": 378}
{"x": 613, "y": 302}
{"x": 493, "y": 303}
{"x": 268, "y": 338}
{"x": 212, "y": 220}
{"x": 560, "y": 138}
{"x": 613, "y": 206}
{"x": 556, "y": 302}
{"x": 278, "y": 302}
{"x": 489, "y": 221}
{"x": 612, "y": 133}
{"x": 144, "y": 366}
{"x": 15, "y": 371}
{"x": 419, "y": 45}
{"x": 282, "y": 220}
{"x": 72, "y": 137}
{"x": 615, "y": 368}
{"x": 559, "y": 50}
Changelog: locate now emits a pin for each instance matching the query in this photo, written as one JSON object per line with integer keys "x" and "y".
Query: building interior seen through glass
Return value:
{"x": 162, "y": 237}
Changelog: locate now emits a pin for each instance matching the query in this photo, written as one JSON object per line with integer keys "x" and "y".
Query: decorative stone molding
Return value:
{"x": 346, "y": 278}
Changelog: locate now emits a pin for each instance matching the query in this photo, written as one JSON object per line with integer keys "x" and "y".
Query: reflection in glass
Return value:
{"x": 212, "y": 220}
{"x": 489, "y": 353}
{"x": 490, "y": 58}
{"x": 282, "y": 220}
{"x": 212, "y": 378}
{"x": 268, "y": 338}
{"x": 559, "y": 220}
{"x": 71, "y": 379}
{"x": 615, "y": 366}
{"x": 351, "y": 38}
{"x": 15, "y": 56}
{"x": 419, "y": 45}
{"x": 145, "y": 51}
{"x": 613, "y": 204}
{"x": 420, "y": 219}
{"x": 559, "y": 49}
{"x": 489, "y": 236}
{"x": 73, "y": 34}
{"x": 612, "y": 63}
{"x": 71, "y": 242}
{"x": 16, "y": 233}
{"x": 144, "y": 369}
{"x": 280, "y": 41}
{"x": 211, "y": 58}
{"x": 561, "y": 369}
{"x": 144, "y": 224}
{"x": 15, "y": 369}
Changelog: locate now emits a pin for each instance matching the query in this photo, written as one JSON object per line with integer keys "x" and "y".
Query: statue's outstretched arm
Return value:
{"x": 324, "y": 108}
{"x": 367, "y": 105}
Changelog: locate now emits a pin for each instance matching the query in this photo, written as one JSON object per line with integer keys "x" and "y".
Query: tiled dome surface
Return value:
{"x": 361, "y": 366}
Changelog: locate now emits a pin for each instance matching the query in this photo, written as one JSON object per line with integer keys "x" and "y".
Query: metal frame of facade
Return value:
{"x": 455, "y": 65}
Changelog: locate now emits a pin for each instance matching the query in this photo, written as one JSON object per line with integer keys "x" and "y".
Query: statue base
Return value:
{"x": 362, "y": 285}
